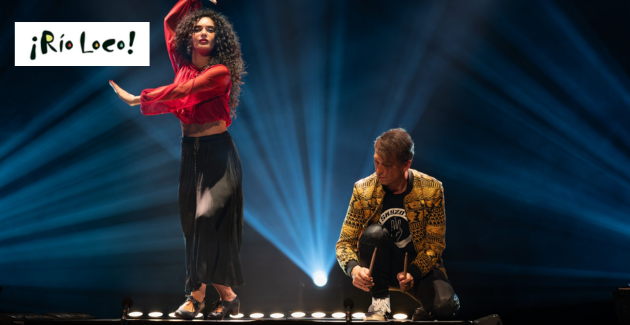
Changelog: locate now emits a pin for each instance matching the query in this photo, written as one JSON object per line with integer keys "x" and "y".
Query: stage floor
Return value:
{"x": 85, "y": 319}
{"x": 196, "y": 321}
{"x": 4, "y": 320}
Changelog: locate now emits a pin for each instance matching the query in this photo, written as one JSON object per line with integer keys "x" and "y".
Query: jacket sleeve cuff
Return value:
{"x": 415, "y": 272}
{"x": 350, "y": 265}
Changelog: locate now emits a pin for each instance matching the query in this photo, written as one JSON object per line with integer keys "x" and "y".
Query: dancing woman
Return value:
{"x": 206, "y": 56}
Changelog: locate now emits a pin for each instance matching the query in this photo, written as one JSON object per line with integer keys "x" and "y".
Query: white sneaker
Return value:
{"x": 379, "y": 309}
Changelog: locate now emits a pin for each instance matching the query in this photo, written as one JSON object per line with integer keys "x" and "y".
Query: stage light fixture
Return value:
{"x": 200, "y": 315}
{"x": 318, "y": 314}
{"x": 298, "y": 314}
{"x": 172, "y": 315}
{"x": 320, "y": 278}
{"x": 400, "y": 316}
{"x": 239, "y": 315}
{"x": 276, "y": 315}
{"x": 256, "y": 315}
{"x": 135, "y": 314}
{"x": 155, "y": 314}
{"x": 339, "y": 315}
{"x": 358, "y": 315}
{"x": 298, "y": 136}
{"x": 126, "y": 303}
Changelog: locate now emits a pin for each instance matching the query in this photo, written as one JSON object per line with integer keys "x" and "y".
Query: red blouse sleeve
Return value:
{"x": 213, "y": 82}
{"x": 170, "y": 24}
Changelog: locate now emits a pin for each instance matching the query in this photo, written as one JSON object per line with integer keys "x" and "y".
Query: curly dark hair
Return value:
{"x": 227, "y": 49}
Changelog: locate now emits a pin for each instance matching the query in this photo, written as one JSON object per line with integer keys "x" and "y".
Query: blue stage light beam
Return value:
{"x": 289, "y": 130}
{"x": 67, "y": 254}
{"x": 396, "y": 108}
{"x": 523, "y": 140}
{"x": 296, "y": 176}
{"x": 59, "y": 190}
{"x": 569, "y": 132}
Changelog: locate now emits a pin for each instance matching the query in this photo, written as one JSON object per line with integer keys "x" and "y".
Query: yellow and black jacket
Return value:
{"x": 425, "y": 211}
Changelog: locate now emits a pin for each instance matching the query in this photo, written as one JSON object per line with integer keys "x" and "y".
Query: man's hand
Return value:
{"x": 361, "y": 279}
{"x": 405, "y": 281}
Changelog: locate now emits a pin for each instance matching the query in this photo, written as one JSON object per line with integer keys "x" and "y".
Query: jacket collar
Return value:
{"x": 379, "y": 192}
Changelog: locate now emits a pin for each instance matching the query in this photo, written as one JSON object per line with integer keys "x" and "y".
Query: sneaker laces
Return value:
{"x": 380, "y": 305}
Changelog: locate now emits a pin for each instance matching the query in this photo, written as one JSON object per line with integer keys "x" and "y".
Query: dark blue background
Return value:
{"x": 520, "y": 108}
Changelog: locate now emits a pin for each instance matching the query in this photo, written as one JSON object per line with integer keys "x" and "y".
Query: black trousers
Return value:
{"x": 434, "y": 290}
{"x": 211, "y": 210}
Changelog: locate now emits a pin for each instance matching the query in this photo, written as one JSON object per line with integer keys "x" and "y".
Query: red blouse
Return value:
{"x": 196, "y": 96}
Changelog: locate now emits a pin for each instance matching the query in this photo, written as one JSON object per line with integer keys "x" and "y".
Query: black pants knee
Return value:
{"x": 434, "y": 290}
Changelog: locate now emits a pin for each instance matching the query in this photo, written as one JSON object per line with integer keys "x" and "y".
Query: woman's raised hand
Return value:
{"x": 125, "y": 96}
{"x": 214, "y": 1}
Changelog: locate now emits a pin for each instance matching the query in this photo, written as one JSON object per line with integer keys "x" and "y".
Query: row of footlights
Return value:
{"x": 297, "y": 314}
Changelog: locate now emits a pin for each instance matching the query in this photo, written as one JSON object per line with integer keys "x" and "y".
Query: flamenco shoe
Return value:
{"x": 223, "y": 307}
{"x": 186, "y": 314}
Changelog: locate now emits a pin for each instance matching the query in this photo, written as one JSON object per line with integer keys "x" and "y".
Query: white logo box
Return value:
{"x": 82, "y": 44}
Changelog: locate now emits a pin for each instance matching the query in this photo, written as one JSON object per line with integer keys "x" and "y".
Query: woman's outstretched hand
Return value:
{"x": 214, "y": 1}
{"x": 125, "y": 96}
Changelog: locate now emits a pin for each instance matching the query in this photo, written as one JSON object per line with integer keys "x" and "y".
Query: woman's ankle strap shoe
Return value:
{"x": 223, "y": 307}
{"x": 186, "y": 314}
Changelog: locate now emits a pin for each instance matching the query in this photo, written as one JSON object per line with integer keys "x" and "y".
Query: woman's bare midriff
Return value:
{"x": 200, "y": 130}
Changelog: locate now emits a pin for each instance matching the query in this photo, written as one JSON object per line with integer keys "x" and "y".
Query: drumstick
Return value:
{"x": 405, "y": 270}
{"x": 372, "y": 263}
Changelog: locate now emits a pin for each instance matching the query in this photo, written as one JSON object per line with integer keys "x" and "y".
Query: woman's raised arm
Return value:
{"x": 181, "y": 8}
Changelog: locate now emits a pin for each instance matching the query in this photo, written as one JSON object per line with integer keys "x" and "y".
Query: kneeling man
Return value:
{"x": 397, "y": 210}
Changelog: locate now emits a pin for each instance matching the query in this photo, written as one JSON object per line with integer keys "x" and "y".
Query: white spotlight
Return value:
{"x": 256, "y": 315}
{"x": 155, "y": 314}
{"x": 358, "y": 315}
{"x": 200, "y": 315}
{"x": 339, "y": 315}
{"x": 320, "y": 278}
{"x": 318, "y": 315}
{"x": 172, "y": 315}
{"x": 239, "y": 315}
{"x": 135, "y": 314}
{"x": 400, "y": 316}
{"x": 276, "y": 315}
{"x": 298, "y": 314}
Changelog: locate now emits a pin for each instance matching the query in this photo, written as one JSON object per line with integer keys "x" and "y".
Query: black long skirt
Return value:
{"x": 211, "y": 210}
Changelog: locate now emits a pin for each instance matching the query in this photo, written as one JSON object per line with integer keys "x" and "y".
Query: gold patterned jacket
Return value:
{"x": 424, "y": 206}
